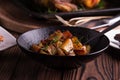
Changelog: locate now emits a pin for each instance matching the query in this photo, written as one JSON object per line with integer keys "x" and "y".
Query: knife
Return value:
{"x": 108, "y": 22}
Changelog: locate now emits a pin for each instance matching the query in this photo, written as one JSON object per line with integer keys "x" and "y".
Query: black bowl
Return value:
{"x": 98, "y": 45}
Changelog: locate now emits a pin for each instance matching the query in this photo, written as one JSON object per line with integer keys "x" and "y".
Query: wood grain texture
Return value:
{"x": 15, "y": 65}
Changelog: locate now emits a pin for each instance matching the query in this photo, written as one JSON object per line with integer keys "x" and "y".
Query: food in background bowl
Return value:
{"x": 61, "y": 44}
{"x": 98, "y": 45}
{"x": 55, "y": 6}
{"x": 67, "y": 5}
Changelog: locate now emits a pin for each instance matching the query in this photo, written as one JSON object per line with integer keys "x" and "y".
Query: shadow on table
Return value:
{"x": 114, "y": 53}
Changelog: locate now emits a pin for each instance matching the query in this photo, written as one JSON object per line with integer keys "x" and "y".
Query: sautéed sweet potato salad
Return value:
{"x": 61, "y": 44}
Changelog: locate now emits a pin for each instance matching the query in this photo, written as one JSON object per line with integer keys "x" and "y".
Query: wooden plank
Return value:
{"x": 102, "y": 68}
{"x": 15, "y": 65}
{"x": 8, "y": 61}
{"x": 30, "y": 69}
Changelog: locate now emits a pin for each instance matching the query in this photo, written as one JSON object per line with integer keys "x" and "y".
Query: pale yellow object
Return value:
{"x": 67, "y": 46}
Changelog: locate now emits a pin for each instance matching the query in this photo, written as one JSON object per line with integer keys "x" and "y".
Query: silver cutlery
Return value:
{"x": 108, "y": 22}
{"x": 79, "y": 20}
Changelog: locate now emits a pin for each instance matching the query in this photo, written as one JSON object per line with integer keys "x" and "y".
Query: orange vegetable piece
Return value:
{"x": 67, "y": 34}
{"x": 91, "y": 3}
{"x": 83, "y": 51}
{"x": 76, "y": 43}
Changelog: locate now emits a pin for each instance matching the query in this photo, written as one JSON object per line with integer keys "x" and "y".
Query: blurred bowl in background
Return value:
{"x": 106, "y": 8}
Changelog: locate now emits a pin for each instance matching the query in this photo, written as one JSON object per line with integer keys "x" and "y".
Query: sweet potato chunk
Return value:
{"x": 76, "y": 43}
{"x": 67, "y": 34}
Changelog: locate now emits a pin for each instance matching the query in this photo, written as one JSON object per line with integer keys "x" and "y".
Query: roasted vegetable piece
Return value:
{"x": 67, "y": 34}
{"x": 90, "y": 3}
{"x": 67, "y": 46}
{"x": 56, "y": 36}
{"x": 35, "y": 48}
{"x": 82, "y": 51}
{"x": 71, "y": 53}
{"x": 51, "y": 50}
{"x": 76, "y": 43}
{"x": 58, "y": 43}
{"x": 60, "y": 52}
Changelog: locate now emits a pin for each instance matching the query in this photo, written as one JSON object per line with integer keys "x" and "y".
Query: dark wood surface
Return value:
{"x": 15, "y": 65}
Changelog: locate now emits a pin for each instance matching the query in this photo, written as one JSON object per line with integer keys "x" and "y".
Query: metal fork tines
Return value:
{"x": 79, "y": 20}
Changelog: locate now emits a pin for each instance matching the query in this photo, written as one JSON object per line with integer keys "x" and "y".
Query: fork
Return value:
{"x": 78, "y": 20}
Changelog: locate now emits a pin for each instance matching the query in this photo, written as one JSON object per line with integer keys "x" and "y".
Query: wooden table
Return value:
{"x": 15, "y": 65}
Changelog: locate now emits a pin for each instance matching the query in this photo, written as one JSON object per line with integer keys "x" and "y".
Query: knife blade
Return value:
{"x": 108, "y": 22}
